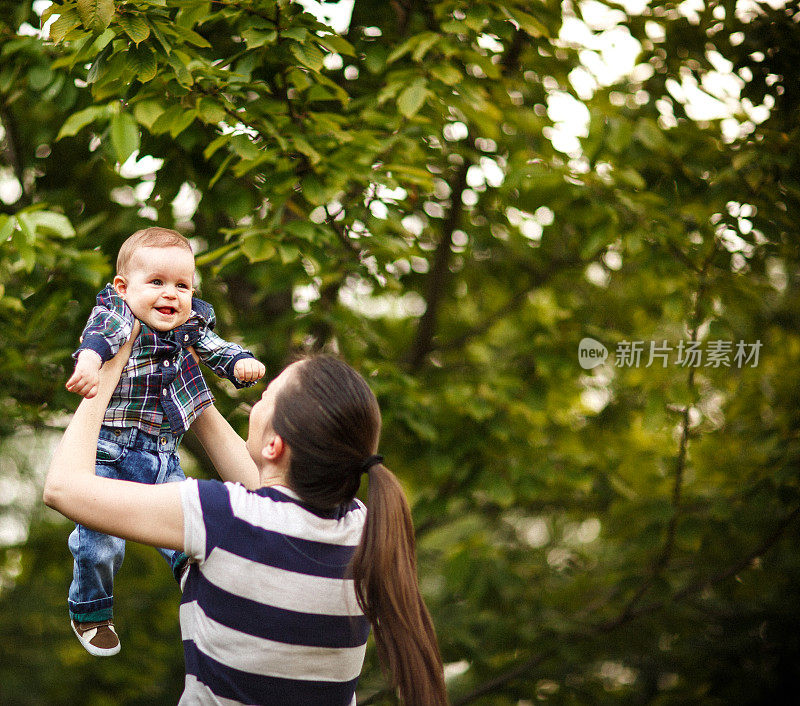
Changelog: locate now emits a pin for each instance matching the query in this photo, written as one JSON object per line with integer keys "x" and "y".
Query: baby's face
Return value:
{"x": 157, "y": 286}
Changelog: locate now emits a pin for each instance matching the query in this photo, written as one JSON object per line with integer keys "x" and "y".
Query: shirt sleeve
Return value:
{"x": 221, "y": 355}
{"x": 207, "y": 515}
{"x": 194, "y": 528}
{"x": 108, "y": 328}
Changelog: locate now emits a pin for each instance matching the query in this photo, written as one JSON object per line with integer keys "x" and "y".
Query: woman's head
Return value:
{"x": 326, "y": 414}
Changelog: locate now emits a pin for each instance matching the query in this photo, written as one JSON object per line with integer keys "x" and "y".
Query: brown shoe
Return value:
{"x": 100, "y": 639}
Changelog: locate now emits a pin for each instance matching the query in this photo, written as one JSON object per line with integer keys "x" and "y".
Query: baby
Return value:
{"x": 160, "y": 393}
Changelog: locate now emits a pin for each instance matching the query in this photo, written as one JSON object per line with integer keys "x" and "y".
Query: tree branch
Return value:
{"x": 423, "y": 341}
{"x": 349, "y": 245}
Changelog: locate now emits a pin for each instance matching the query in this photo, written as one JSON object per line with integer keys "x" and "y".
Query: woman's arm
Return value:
{"x": 225, "y": 448}
{"x": 151, "y": 514}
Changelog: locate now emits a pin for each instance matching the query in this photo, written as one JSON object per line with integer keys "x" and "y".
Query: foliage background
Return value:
{"x": 626, "y": 534}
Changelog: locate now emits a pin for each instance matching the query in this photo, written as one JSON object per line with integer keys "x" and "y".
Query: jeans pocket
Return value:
{"x": 108, "y": 451}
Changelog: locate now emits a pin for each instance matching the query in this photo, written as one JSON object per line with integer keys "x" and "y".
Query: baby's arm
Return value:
{"x": 108, "y": 328}
{"x": 228, "y": 360}
{"x": 86, "y": 377}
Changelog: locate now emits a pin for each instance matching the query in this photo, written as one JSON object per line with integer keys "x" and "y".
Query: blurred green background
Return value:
{"x": 452, "y": 196}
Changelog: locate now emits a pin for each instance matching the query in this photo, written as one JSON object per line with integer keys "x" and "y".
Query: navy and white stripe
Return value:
{"x": 267, "y": 616}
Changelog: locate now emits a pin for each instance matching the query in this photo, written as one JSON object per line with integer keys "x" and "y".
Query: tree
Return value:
{"x": 394, "y": 193}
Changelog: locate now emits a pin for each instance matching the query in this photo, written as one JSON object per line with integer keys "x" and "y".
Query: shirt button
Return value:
{"x": 163, "y": 440}
{"x": 186, "y": 337}
{"x": 164, "y": 392}
{"x": 166, "y": 363}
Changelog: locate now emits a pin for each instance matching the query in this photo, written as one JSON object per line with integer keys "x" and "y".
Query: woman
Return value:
{"x": 287, "y": 570}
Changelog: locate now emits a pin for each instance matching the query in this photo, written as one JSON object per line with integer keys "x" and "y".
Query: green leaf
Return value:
{"x": 255, "y": 38}
{"x": 337, "y": 44}
{"x": 208, "y": 257}
{"x": 99, "y": 64}
{"x": 179, "y": 66}
{"x": 244, "y": 146}
{"x": 246, "y": 165}
{"x": 211, "y": 111}
{"x": 124, "y": 136}
{"x": 447, "y": 74}
{"x": 632, "y": 178}
{"x": 288, "y": 253}
{"x": 180, "y": 123}
{"x": 143, "y": 62}
{"x": 147, "y": 112}
{"x": 315, "y": 192}
{"x": 26, "y": 235}
{"x": 305, "y": 148}
{"x": 39, "y": 77}
{"x": 299, "y": 79}
{"x": 425, "y": 43}
{"x": 96, "y": 14}
{"x": 51, "y": 223}
{"x": 476, "y": 18}
{"x": 527, "y": 23}
{"x": 299, "y": 34}
{"x": 412, "y": 98}
{"x": 221, "y": 170}
{"x": 192, "y": 13}
{"x": 257, "y": 247}
{"x": 403, "y": 49}
{"x": 63, "y": 25}
{"x": 159, "y": 35}
{"x": 184, "y": 34}
{"x": 414, "y": 175}
{"x": 302, "y": 229}
{"x": 308, "y": 55}
{"x": 51, "y": 10}
{"x": 77, "y": 121}
{"x": 135, "y": 27}
{"x": 163, "y": 122}
{"x": 215, "y": 144}
{"x": 7, "y": 225}
{"x": 650, "y": 135}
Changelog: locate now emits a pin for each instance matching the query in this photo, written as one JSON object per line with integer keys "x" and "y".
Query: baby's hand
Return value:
{"x": 249, "y": 370}
{"x": 86, "y": 378}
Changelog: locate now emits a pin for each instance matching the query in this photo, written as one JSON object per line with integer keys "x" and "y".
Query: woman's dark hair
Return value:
{"x": 331, "y": 421}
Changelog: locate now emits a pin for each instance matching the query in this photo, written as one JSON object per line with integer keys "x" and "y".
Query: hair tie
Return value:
{"x": 369, "y": 462}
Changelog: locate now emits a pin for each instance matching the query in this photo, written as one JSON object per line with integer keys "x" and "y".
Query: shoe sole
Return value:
{"x": 91, "y": 649}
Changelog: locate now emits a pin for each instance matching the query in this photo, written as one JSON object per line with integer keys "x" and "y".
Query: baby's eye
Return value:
{"x": 181, "y": 285}
{"x": 156, "y": 281}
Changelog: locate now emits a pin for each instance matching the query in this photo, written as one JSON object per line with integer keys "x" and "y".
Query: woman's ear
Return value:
{"x": 121, "y": 285}
{"x": 274, "y": 449}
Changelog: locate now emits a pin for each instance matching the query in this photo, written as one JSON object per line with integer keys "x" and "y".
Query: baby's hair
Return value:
{"x": 154, "y": 237}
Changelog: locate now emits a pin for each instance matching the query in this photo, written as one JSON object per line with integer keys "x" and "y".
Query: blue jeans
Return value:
{"x": 125, "y": 454}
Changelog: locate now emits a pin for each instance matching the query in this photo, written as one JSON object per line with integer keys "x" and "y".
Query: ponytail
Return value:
{"x": 331, "y": 421}
{"x": 384, "y": 570}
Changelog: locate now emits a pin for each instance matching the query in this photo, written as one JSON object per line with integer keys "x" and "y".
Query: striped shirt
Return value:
{"x": 162, "y": 382}
{"x": 267, "y": 615}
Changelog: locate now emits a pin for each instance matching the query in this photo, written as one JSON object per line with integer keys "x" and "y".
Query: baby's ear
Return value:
{"x": 121, "y": 285}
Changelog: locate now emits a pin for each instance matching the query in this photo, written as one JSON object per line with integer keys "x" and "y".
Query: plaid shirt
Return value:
{"x": 161, "y": 385}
